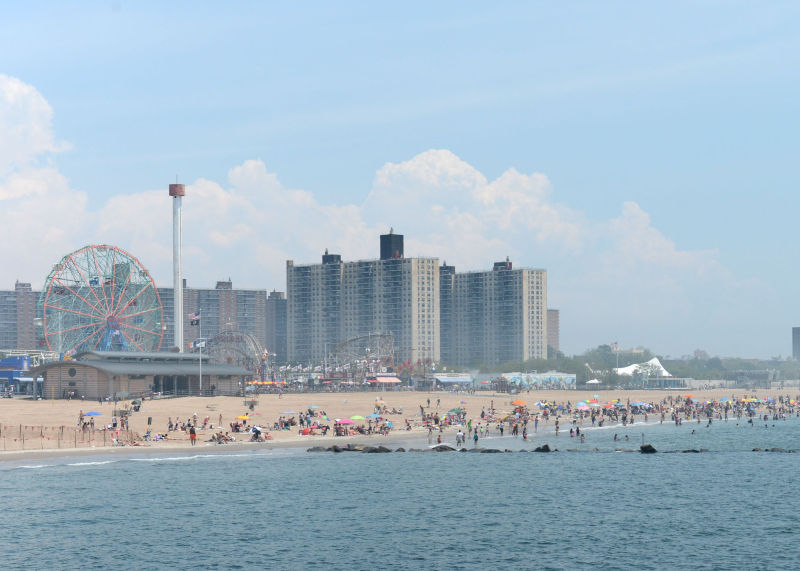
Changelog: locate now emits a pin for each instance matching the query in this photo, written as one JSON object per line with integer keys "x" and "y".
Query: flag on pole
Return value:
{"x": 198, "y": 344}
{"x": 194, "y": 318}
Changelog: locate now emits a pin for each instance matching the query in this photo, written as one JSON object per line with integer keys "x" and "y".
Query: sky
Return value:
{"x": 644, "y": 154}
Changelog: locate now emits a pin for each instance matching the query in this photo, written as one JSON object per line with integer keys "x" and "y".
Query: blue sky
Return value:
{"x": 642, "y": 153}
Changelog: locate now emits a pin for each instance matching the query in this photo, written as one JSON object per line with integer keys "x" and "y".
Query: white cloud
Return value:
{"x": 609, "y": 277}
{"x": 25, "y": 124}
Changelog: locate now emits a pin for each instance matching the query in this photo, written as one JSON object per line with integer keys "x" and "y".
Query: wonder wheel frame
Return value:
{"x": 100, "y": 298}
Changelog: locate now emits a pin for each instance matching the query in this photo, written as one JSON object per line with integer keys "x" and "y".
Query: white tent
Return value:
{"x": 653, "y": 367}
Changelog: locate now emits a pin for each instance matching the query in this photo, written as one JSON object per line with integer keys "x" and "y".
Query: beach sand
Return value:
{"x": 50, "y": 426}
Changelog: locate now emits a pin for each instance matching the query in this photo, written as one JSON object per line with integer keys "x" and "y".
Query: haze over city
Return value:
{"x": 642, "y": 155}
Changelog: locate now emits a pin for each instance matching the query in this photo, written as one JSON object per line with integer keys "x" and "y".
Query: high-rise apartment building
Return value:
{"x": 221, "y": 308}
{"x": 796, "y": 343}
{"x": 331, "y": 302}
{"x": 496, "y": 317}
{"x": 276, "y": 327}
{"x": 447, "y": 277}
{"x": 17, "y": 313}
{"x": 553, "y": 330}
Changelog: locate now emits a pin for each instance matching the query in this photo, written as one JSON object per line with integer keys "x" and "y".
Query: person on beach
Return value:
{"x": 192, "y": 435}
{"x": 475, "y": 439}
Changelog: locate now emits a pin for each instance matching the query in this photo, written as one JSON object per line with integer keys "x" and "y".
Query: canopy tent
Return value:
{"x": 653, "y": 368}
{"x": 385, "y": 380}
{"x": 453, "y": 378}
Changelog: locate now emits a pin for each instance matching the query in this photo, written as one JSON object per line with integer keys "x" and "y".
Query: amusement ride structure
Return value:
{"x": 100, "y": 298}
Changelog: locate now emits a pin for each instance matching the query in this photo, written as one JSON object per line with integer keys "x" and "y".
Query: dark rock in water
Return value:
{"x": 401, "y": 449}
{"x": 507, "y": 450}
{"x": 443, "y": 448}
{"x": 693, "y": 451}
{"x": 757, "y": 450}
{"x": 776, "y": 450}
{"x": 647, "y": 449}
{"x": 355, "y": 447}
{"x": 375, "y": 449}
{"x": 335, "y": 448}
{"x": 473, "y": 450}
{"x": 318, "y": 449}
{"x": 542, "y": 448}
{"x": 490, "y": 451}
{"x": 462, "y": 449}
{"x": 521, "y": 450}
{"x": 416, "y": 450}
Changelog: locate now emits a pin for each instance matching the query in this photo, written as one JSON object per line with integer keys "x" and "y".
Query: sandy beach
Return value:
{"x": 50, "y": 426}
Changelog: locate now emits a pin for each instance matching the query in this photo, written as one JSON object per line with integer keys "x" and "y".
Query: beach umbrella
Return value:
{"x": 357, "y": 417}
{"x": 345, "y": 421}
{"x": 462, "y": 402}
{"x": 687, "y": 396}
{"x": 583, "y": 407}
{"x": 288, "y": 412}
{"x": 243, "y": 417}
{"x": 517, "y": 403}
{"x": 373, "y": 415}
{"x": 313, "y": 406}
{"x": 92, "y": 413}
{"x": 593, "y": 404}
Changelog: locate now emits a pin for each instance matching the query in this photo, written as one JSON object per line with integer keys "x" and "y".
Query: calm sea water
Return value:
{"x": 730, "y": 508}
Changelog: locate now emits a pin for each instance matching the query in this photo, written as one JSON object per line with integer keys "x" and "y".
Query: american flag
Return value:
{"x": 194, "y": 318}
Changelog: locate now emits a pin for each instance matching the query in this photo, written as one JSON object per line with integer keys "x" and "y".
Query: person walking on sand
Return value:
{"x": 475, "y": 439}
{"x": 192, "y": 435}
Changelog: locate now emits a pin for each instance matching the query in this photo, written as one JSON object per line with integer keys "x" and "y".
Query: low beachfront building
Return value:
{"x": 101, "y": 374}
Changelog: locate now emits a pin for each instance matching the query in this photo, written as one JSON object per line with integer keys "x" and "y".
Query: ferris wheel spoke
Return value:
{"x": 134, "y": 298}
{"x": 85, "y": 279}
{"x": 137, "y": 313}
{"x": 68, "y": 310}
{"x": 76, "y": 328}
{"x": 122, "y": 294}
{"x": 85, "y": 339}
{"x": 76, "y": 294}
{"x": 129, "y": 338}
{"x": 148, "y": 331}
{"x": 101, "y": 278}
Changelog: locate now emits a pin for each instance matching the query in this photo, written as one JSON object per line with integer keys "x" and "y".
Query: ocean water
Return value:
{"x": 729, "y": 508}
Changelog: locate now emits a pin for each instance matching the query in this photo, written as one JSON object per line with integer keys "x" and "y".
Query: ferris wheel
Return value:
{"x": 100, "y": 298}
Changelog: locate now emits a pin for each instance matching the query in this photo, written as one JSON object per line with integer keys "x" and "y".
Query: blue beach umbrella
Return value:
{"x": 92, "y": 413}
